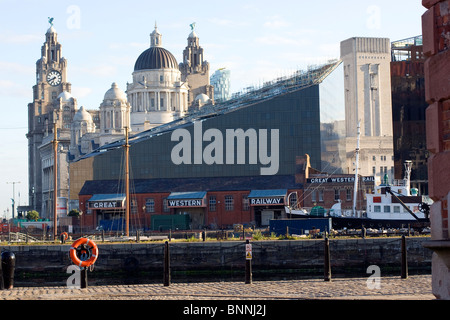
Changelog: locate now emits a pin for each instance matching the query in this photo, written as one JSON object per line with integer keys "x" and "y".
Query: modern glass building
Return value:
{"x": 221, "y": 82}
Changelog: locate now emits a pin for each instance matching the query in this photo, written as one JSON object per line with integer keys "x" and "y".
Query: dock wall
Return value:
{"x": 348, "y": 256}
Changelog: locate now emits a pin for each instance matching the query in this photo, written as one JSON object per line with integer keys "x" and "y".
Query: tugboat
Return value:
{"x": 390, "y": 206}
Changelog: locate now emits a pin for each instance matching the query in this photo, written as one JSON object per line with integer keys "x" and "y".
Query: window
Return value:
{"x": 396, "y": 209}
{"x": 212, "y": 203}
{"x": 320, "y": 195}
{"x": 336, "y": 194}
{"x": 229, "y": 203}
{"x": 293, "y": 200}
{"x": 387, "y": 209}
{"x": 245, "y": 203}
{"x": 376, "y": 208}
{"x": 349, "y": 194}
{"x": 374, "y": 171}
{"x": 313, "y": 196}
{"x": 149, "y": 205}
{"x": 133, "y": 206}
{"x": 165, "y": 205}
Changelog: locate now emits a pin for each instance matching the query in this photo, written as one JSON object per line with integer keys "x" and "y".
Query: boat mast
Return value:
{"x": 127, "y": 185}
{"x": 55, "y": 181}
{"x": 355, "y": 188}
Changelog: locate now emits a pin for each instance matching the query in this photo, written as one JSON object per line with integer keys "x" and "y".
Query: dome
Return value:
{"x": 82, "y": 115}
{"x": 115, "y": 93}
{"x": 65, "y": 96}
{"x": 51, "y": 30}
{"x": 155, "y": 58}
{"x": 193, "y": 34}
{"x": 202, "y": 98}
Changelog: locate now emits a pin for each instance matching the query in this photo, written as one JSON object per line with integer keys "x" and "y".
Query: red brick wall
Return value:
{"x": 220, "y": 217}
{"x": 436, "y": 45}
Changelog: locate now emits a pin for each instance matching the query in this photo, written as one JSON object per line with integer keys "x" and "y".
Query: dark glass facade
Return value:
{"x": 296, "y": 116}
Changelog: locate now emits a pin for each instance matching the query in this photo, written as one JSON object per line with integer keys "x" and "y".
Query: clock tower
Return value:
{"x": 52, "y": 105}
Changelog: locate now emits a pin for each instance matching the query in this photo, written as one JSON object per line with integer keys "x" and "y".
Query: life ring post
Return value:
{"x": 83, "y": 278}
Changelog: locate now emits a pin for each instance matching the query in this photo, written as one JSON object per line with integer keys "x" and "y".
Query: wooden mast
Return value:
{"x": 127, "y": 185}
{"x": 55, "y": 181}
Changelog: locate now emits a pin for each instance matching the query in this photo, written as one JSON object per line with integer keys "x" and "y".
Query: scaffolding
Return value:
{"x": 405, "y": 50}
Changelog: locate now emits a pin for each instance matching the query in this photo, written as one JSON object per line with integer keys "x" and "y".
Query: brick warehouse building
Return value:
{"x": 161, "y": 204}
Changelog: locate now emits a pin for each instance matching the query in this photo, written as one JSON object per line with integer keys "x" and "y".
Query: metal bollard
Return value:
{"x": 2, "y": 285}
{"x": 166, "y": 264}
{"x": 83, "y": 278}
{"x": 327, "y": 265}
{"x": 248, "y": 263}
{"x": 404, "y": 274}
{"x": 8, "y": 267}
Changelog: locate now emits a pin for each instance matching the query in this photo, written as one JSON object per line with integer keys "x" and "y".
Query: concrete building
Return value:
{"x": 368, "y": 100}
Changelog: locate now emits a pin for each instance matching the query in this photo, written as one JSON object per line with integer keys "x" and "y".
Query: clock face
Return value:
{"x": 54, "y": 78}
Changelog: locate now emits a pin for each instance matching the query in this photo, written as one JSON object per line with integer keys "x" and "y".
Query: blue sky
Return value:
{"x": 257, "y": 40}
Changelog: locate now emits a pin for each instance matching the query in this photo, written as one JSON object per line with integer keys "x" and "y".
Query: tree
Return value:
{"x": 33, "y": 215}
{"x": 74, "y": 213}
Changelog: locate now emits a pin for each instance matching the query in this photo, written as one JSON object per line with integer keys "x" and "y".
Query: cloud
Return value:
{"x": 277, "y": 40}
{"x": 126, "y": 45}
{"x": 6, "y": 67}
{"x": 276, "y": 22}
{"x": 81, "y": 92}
{"x": 103, "y": 70}
{"x": 227, "y": 22}
{"x": 13, "y": 89}
{"x": 20, "y": 38}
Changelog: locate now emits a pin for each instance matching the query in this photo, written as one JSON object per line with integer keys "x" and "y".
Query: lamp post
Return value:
{"x": 13, "y": 198}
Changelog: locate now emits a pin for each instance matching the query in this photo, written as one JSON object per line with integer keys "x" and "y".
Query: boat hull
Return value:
{"x": 356, "y": 223}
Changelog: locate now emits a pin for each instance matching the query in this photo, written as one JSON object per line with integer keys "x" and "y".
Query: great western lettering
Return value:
{"x": 338, "y": 180}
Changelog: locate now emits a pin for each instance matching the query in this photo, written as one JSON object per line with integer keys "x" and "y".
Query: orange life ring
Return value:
{"x": 66, "y": 235}
{"x": 86, "y": 245}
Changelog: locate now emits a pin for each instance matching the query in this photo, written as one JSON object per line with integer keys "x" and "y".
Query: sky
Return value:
{"x": 257, "y": 41}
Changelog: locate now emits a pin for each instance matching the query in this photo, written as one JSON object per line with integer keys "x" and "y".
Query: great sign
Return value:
{"x": 105, "y": 204}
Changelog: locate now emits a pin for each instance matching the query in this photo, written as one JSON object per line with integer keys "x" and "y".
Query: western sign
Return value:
{"x": 186, "y": 203}
{"x": 266, "y": 201}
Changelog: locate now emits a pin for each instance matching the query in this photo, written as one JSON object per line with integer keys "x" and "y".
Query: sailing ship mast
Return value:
{"x": 127, "y": 184}
{"x": 355, "y": 188}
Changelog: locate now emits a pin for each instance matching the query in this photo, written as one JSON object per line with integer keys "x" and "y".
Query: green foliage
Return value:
{"x": 33, "y": 215}
{"x": 74, "y": 213}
